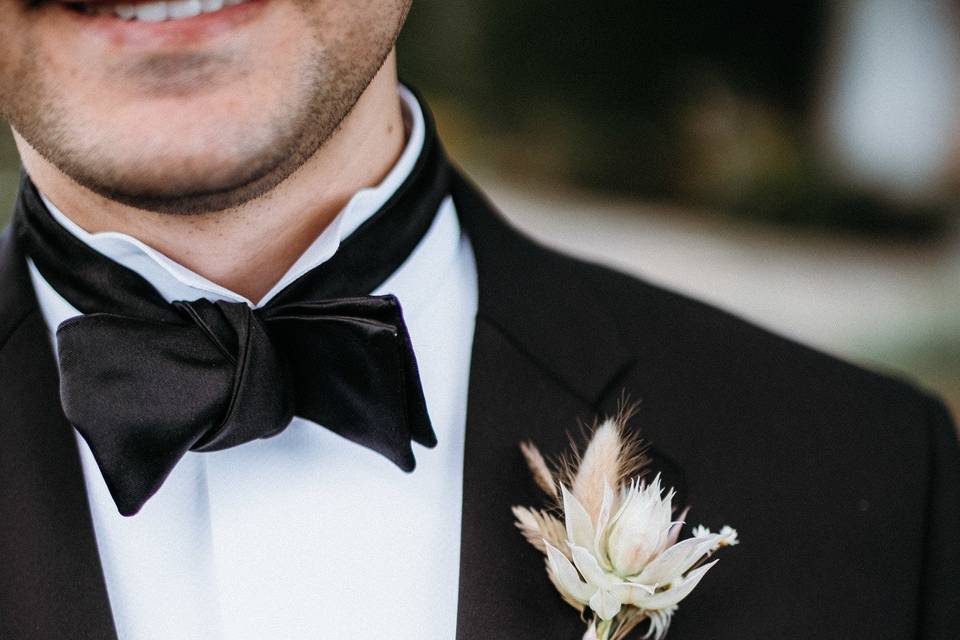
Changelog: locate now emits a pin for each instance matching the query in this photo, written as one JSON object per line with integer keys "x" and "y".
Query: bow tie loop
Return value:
{"x": 365, "y": 359}
{"x": 164, "y": 389}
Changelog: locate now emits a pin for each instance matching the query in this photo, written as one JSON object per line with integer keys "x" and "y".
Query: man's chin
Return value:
{"x": 186, "y": 195}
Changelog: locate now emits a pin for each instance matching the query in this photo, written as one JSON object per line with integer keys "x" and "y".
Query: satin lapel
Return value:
{"x": 51, "y": 581}
{"x": 528, "y": 382}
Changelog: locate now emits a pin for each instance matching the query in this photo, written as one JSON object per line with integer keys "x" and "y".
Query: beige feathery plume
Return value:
{"x": 633, "y": 449}
{"x": 614, "y": 456}
{"x": 599, "y": 467}
{"x": 634, "y": 462}
{"x": 541, "y": 472}
{"x": 538, "y": 526}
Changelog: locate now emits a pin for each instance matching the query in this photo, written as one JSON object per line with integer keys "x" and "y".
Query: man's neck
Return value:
{"x": 249, "y": 248}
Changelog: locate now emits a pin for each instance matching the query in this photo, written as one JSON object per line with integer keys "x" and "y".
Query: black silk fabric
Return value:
{"x": 145, "y": 381}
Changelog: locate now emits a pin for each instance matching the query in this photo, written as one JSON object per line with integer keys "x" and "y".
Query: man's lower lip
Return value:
{"x": 181, "y": 32}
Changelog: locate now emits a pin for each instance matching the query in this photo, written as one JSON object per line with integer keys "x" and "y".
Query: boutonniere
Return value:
{"x": 610, "y": 538}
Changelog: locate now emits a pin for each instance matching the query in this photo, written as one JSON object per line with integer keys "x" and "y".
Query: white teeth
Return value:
{"x": 152, "y": 11}
{"x": 184, "y": 9}
{"x": 162, "y": 11}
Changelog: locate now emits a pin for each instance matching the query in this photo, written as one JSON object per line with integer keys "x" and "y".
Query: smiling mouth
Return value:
{"x": 154, "y": 11}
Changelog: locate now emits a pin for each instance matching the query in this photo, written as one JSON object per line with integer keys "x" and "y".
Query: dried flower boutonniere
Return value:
{"x": 613, "y": 552}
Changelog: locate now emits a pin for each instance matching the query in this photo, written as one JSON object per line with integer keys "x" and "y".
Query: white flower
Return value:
{"x": 727, "y": 536}
{"x": 640, "y": 530}
{"x": 621, "y": 556}
{"x": 631, "y": 558}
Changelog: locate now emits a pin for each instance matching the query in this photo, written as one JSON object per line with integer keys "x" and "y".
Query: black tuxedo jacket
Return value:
{"x": 843, "y": 484}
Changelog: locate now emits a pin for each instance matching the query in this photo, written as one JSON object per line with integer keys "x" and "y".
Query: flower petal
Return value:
{"x": 627, "y": 493}
{"x": 659, "y": 623}
{"x": 629, "y": 593}
{"x": 639, "y": 531}
{"x": 589, "y": 567}
{"x": 567, "y": 576}
{"x": 600, "y": 539}
{"x": 605, "y": 604}
{"x": 579, "y": 526}
{"x": 676, "y": 593}
{"x": 675, "y": 528}
{"x": 728, "y": 536}
{"x": 675, "y": 561}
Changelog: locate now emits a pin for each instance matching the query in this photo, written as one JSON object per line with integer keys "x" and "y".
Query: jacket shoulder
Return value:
{"x": 698, "y": 341}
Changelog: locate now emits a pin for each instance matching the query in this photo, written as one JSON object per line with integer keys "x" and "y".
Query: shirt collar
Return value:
{"x": 175, "y": 282}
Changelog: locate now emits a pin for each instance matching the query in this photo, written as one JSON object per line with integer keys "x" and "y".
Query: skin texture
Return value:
{"x": 226, "y": 159}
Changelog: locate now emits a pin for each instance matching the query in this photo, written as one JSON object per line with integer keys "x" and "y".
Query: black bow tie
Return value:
{"x": 144, "y": 381}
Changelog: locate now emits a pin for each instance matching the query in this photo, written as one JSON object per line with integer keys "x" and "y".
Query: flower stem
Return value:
{"x": 603, "y": 629}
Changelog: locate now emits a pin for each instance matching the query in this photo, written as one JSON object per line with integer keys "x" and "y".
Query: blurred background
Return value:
{"x": 796, "y": 163}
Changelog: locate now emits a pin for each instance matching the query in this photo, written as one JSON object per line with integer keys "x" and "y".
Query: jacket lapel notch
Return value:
{"x": 535, "y": 297}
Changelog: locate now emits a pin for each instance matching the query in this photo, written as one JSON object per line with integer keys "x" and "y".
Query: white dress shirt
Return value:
{"x": 304, "y": 535}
